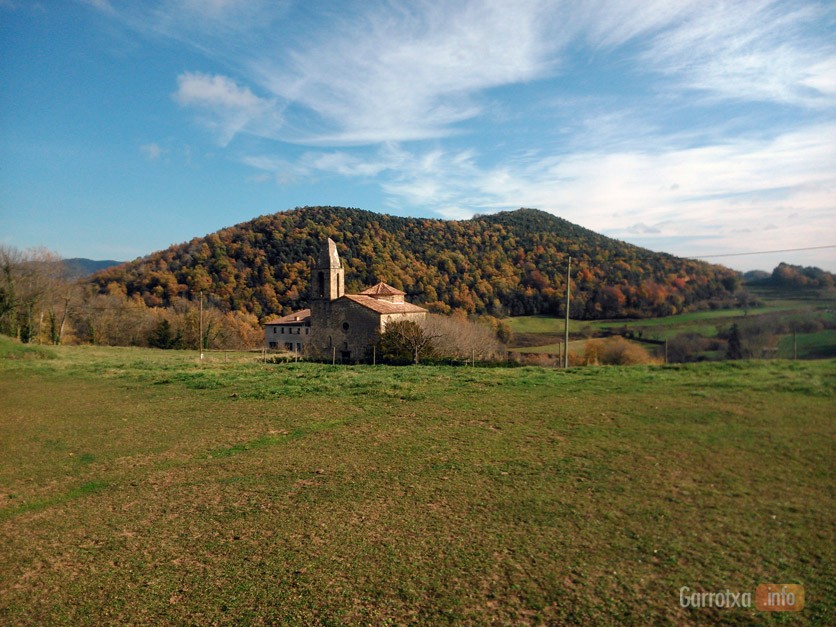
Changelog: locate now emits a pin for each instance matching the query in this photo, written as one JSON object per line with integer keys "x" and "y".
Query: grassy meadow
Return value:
{"x": 544, "y": 333}
{"x": 143, "y": 486}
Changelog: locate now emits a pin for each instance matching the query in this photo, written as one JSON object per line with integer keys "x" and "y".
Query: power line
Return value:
{"x": 763, "y": 252}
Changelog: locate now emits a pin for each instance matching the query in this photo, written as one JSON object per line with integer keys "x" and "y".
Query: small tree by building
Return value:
{"x": 404, "y": 340}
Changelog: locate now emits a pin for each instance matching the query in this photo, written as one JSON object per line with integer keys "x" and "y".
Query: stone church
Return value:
{"x": 338, "y": 325}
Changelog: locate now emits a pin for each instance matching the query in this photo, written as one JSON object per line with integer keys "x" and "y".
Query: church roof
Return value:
{"x": 383, "y": 306}
{"x": 328, "y": 257}
{"x": 297, "y": 317}
{"x": 382, "y": 289}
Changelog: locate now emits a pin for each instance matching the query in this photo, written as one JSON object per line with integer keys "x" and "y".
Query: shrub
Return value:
{"x": 615, "y": 351}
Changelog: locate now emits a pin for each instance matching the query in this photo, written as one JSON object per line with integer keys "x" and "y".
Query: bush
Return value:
{"x": 687, "y": 347}
{"x": 615, "y": 351}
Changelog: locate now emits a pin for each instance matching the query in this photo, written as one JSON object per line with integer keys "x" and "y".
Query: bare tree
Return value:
{"x": 10, "y": 261}
{"x": 460, "y": 338}
{"x": 405, "y": 336}
{"x": 33, "y": 287}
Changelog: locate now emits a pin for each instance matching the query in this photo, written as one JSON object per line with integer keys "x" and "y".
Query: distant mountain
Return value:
{"x": 506, "y": 263}
{"x": 79, "y": 267}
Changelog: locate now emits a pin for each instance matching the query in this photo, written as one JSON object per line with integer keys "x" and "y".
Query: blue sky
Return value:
{"x": 693, "y": 127}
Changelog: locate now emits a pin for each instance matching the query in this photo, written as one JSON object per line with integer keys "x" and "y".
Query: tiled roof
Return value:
{"x": 297, "y": 317}
{"x": 382, "y": 289}
{"x": 384, "y": 306}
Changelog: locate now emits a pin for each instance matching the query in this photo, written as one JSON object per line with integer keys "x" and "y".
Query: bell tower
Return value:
{"x": 328, "y": 276}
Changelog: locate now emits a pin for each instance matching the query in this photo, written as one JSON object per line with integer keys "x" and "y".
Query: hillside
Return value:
{"x": 510, "y": 263}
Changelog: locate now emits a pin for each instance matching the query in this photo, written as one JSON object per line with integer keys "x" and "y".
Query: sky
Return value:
{"x": 691, "y": 127}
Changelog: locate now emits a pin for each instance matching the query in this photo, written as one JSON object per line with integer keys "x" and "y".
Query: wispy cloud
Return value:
{"x": 696, "y": 196}
{"x": 400, "y": 93}
{"x": 227, "y": 107}
{"x": 750, "y": 50}
{"x": 411, "y": 71}
{"x": 401, "y": 71}
{"x": 152, "y": 151}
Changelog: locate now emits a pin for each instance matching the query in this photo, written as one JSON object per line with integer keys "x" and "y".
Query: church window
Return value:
{"x": 321, "y": 282}
{"x": 345, "y": 326}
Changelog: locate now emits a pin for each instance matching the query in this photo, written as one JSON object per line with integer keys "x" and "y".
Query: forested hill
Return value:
{"x": 506, "y": 263}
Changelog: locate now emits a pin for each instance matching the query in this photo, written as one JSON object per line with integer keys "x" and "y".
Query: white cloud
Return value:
{"x": 418, "y": 71}
{"x": 102, "y": 5}
{"x": 211, "y": 91}
{"x": 152, "y": 151}
{"x": 367, "y": 82}
{"x": 397, "y": 71}
{"x": 703, "y": 197}
{"x": 751, "y": 50}
{"x": 227, "y": 107}
{"x": 407, "y": 72}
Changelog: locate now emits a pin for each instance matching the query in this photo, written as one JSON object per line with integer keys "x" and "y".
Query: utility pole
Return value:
{"x": 566, "y": 337}
{"x": 200, "y": 338}
{"x": 794, "y": 345}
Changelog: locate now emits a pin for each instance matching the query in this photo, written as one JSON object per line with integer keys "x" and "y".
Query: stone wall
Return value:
{"x": 343, "y": 324}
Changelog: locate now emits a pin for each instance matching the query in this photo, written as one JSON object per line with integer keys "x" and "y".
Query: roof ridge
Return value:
{"x": 382, "y": 288}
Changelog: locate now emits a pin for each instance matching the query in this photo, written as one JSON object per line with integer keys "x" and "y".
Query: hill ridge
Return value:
{"x": 511, "y": 262}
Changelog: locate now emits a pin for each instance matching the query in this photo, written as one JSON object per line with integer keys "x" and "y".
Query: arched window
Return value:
{"x": 321, "y": 284}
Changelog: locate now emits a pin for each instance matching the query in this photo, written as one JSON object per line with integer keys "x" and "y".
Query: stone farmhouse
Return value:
{"x": 339, "y": 326}
{"x": 290, "y": 333}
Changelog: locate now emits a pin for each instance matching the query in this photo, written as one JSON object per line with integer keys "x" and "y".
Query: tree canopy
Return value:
{"x": 509, "y": 263}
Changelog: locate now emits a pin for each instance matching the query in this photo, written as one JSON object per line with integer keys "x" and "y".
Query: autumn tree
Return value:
{"x": 457, "y": 337}
{"x": 35, "y": 294}
{"x": 510, "y": 263}
{"x": 407, "y": 339}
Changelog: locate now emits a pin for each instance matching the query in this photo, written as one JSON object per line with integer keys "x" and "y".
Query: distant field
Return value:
{"x": 141, "y": 486}
{"x": 819, "y": 345}
{"x": 543, "y": 334}
{"x": 576, "y": 346}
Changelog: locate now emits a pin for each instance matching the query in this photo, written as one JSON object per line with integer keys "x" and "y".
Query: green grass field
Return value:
{"x": 141, "y": 486}
{"x": 543, "y": 333}
{"x": 575, "y": 346}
